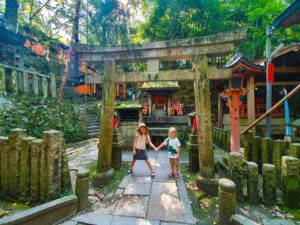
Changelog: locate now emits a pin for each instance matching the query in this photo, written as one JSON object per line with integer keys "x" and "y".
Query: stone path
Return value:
{"x": 143, "y": 201}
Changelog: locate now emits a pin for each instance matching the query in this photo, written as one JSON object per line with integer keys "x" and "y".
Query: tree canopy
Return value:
{"x": 108, "y": 22}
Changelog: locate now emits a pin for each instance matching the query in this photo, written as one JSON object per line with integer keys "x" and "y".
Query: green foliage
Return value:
{"x": 36, "y": 115}
{"x": 117, "y": 178}
{"x": 183, "y": 135}
{"x": 173, "y": 19}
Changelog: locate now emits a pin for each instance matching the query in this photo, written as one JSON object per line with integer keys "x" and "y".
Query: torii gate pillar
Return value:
{"x": 206, "y": 177}
{"x": 104, "y": 170}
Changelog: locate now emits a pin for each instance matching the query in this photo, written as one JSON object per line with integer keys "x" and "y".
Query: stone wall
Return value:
{"x": 33, "y": 170}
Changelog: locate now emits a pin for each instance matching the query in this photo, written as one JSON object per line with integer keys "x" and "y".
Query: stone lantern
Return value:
{"x": 233, "y": 93}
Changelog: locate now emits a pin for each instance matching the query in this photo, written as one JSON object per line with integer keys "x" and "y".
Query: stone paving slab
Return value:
{"x": 164, "y": 203}
{"x": 94, "y": 219}
{"x": 186, "y": 206}
{"x": 69, "y": 222}
{"x": 171, "y": 223}
{"x": 138, "y": 186}
{"x": 123, "y": 220}
{"x": 124, "y": 182}
{"x": 130, "y": 205}
{"x": 277, "y": 222}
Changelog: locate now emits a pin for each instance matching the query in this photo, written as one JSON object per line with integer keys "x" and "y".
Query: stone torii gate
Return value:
{"x": 196, "y": 49}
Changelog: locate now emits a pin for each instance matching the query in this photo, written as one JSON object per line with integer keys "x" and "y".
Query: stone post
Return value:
{"x": 206, "y": 178}
{"x": 279, "y": 146}
{"x": 65, "y": 171}
{"x": 236, "y": 169}
{"x": 266, "y": 148}
{"x": 36, "y": 148}
{"x": 295, "y": 150}
{"x": 217, "y": 138}
{"x": 4, "y": 151}
{"x": 193, "y": 152}
{"x": 256, "y": 151}
{"x": 15, "y": 148}
{"x": 291, "y": 181}
{"x": 53, "y": 85}
{"x": 117, "y": 149}
{"x": 25, "y": 83}
{"x": 222, "y": 139}
{"x": 15, "y": 81}
{"x": 45, "y": 86}
{"x": 82, "y": 188}
{"x": 252, "y": 182}
{"x": 248, "y": 145}
{"x": 227, "y": 142}
{"x": 2, "y": 81}
{"x": 104, "y": 170}
{"x": 25, "y": 164}
{"x": 50, "y": 179}
{"x": 269, "y": 184}
{"x": 35, "y": 84}
{"x": 227, "y": 201}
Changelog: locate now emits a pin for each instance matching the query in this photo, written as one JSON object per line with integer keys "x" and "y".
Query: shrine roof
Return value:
{"x": 129, "y": 105}
{"x": 241, "y": 65}
{"x": 289, "y": 17}
{"x": 171, "y": 85}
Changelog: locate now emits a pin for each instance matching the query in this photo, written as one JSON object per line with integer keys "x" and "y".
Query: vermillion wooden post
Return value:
{"x": 104, "y": 169}
{"x": 204, "y": 126}
{"x": 235, "y": 123}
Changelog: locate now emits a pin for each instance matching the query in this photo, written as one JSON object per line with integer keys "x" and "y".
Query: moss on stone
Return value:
{"x": 160, "y": 85}
{"x": 129, "y": 105}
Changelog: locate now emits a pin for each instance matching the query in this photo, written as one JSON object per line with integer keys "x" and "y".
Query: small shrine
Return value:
{"x": 161, "y": 100}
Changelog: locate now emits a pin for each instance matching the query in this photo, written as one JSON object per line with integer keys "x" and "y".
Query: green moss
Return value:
{"x": 37, "y": 114}
{"x": 118, "y": 176}
{"x": 203, "y": 205}
{"x": 291, "y": 191}
{"x": 160, "y": 85}
{"x": 129, "y": 105}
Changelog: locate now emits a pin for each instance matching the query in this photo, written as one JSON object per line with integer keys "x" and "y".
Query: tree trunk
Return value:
{"x": 11, "y": 14}
{"x": 72, "y": 66}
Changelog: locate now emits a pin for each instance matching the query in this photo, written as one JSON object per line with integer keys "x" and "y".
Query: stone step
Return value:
{"x": 93, "y": 131}
{"x": 92, "y": 127}
{"x": 93, "y": 134}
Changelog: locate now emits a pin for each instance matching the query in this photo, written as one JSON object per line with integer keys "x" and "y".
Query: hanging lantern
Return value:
{"x": 115, "y": 121}
{"x": 38, "y": 49}
{"x": 27, "y": 44}
{"x": 271, "y": 70}
{"x": 195, "y": 124}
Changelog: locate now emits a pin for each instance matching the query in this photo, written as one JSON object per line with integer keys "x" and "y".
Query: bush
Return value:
{"x": 37, "y": 114}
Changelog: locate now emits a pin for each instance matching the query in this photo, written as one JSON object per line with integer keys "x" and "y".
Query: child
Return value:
{"x": 173, "y": 146}
{"x": 139, "y": 147}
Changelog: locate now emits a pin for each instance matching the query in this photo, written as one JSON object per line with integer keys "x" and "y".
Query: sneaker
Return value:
{"x": 171, "y": 176}
{"x": 152, "y": 175}
{"x": 129, "y": 172}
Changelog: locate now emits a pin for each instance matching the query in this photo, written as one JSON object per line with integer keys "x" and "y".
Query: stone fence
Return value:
{"x": 19, "y": 81}
{"x": 267, "y": 150}
{"x": 221, "y": 138}
{"x": 33, "y": 170}
{"x": 246, "y": 176}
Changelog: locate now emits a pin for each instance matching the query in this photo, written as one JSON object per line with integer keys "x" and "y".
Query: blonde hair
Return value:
{"x": 172, "y": 129}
